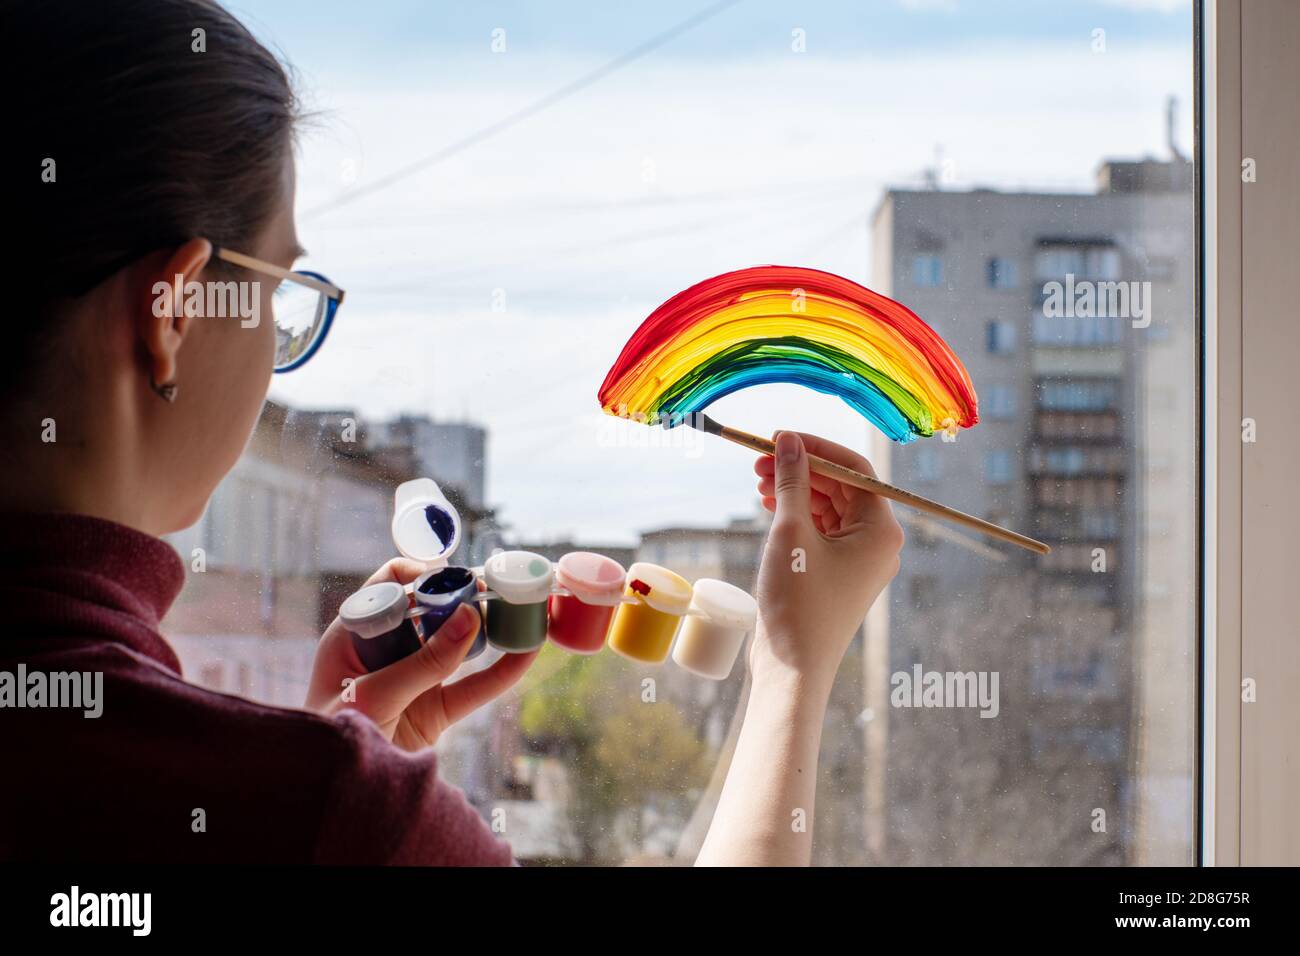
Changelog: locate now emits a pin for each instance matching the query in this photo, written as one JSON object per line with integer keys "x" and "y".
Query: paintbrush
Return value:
{"x": 857, "y": 479}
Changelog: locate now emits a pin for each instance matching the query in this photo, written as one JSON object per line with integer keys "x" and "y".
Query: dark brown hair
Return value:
{"x": 158, "y": 133}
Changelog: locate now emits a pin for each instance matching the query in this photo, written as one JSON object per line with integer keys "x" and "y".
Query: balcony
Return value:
{"x": 1077, "y": 427}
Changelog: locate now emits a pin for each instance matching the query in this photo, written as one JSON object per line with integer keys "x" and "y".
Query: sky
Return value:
{"x": 497, "y": 283}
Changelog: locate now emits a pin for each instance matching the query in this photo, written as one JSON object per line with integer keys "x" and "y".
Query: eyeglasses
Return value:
{"x": 305, "y": 305}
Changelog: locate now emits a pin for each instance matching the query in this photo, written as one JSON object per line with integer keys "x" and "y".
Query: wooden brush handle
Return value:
{"x": 857, "y": 479}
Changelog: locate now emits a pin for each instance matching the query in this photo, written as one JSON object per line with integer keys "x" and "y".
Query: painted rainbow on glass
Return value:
{"x": 790, "y": 324}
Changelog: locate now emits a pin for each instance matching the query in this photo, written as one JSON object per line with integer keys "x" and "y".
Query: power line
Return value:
{"x": 532, "y": 109}
{"x": 548, "y": 206}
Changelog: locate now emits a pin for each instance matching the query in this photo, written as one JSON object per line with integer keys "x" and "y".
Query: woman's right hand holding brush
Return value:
{"x": 831, "y": 551}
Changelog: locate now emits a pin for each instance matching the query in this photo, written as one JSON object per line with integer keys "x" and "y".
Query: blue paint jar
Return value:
{"x": 376, "y": 617}
{"x": 437, "y": 595}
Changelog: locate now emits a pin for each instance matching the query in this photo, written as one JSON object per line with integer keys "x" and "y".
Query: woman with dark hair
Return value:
{"x": 154, "y": 153}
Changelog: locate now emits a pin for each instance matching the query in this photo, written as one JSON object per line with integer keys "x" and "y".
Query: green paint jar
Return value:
{"x": 516, "y": 628}
{"x": 516, "y": 618}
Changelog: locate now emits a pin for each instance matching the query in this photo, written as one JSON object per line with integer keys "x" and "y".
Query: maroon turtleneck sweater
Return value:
{"x": 83, "y": 594}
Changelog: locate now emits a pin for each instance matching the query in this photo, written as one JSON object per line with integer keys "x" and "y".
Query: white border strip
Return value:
{"x": 1210, "y": 413}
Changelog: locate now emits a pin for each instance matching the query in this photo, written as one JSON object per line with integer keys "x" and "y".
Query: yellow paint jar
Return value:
{"x": 644, "y": 631}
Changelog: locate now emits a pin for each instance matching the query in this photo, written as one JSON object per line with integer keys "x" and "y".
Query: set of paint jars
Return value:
{"x": 704, "y": 624}
{"x": 580, "y": 603}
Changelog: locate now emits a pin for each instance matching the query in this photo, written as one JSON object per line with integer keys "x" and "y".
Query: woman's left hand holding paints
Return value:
{"x": 408, "y": 700}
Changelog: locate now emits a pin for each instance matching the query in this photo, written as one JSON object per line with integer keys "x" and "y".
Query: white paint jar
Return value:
{"x": 712, "y": 633}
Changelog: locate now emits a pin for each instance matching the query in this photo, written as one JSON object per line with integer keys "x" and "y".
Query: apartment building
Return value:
{"x": 1073, "y": 315}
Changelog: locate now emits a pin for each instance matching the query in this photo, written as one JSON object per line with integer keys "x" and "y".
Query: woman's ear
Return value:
{"x": 164, "y": 325}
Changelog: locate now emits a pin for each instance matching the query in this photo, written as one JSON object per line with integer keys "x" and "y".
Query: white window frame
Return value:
{"x": 1249, "y": 753}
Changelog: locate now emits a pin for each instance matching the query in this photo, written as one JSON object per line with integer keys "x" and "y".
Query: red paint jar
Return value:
{"x": 580, "y": 619}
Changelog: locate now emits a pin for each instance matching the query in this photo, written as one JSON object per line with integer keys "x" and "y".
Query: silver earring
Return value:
{"x": 166, "y": 391}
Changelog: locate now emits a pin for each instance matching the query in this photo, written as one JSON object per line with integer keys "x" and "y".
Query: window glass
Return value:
{"x": 929, "y": 464}
{"x": 1015, "y": 172}
{"x": 927, "y": 271}
{"x": 998, "y": 466}
{"x": 1001, "y": 273}
{"x": 999, "y": 401}
{"x": 1001, "y": 337}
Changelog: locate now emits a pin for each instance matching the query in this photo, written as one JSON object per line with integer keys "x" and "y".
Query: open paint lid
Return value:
{"x": 425, "y": 525}
{"x": 518, "y": 577}
{"x": 591, "y": 578}
{"x": 725, "y": 604}
{"x": 660, "y": 588}
{"x": 374, "y": 610}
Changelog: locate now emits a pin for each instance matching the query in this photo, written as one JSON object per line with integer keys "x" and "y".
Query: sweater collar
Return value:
{"x": 73, "y": 568}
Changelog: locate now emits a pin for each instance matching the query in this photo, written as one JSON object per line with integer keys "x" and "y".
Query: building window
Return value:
{"x": 1065, "y": 461}
{"x": 1001, "y": 273}
{"x": 1077, "y": 331}
{"x": 924, "y": 591}
{"x": 1079, "y": 396}
{"x": 998, "y": 466}
{"x": 1057, "y": 262}
{"x": 928, "y": 464}
{"x": 999, "y": 402}
{"x": 927, "y": 271}
{"x": 1001, "y": 337}
{"x": 1103, "y": 263}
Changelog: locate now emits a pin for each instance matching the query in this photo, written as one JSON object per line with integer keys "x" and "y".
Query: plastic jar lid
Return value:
{"x": 519, "y": 577}
{"x": 660, "y": 588}
{"x": 375, "y": 609}
{"x": 592, "y": 578}
{"x": 725, "y": 604}
{"x": 426, "y": 527}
